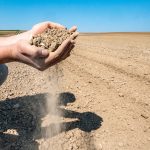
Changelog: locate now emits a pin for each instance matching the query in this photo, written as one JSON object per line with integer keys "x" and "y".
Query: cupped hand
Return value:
{"x": 40, "y": 58}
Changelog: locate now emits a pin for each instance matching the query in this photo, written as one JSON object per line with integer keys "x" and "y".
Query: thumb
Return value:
{"x": 42, "y": 53}
{"x": 31, "y": 50}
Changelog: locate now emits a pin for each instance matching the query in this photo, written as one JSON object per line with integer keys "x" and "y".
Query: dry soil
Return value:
{"x": 50, "y": 39}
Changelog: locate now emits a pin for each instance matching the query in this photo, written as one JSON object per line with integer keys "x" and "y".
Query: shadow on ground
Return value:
{"x": 24, "y": 115}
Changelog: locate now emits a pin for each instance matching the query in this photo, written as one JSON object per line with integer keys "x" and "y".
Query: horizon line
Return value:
{"x": 82, "y": 33}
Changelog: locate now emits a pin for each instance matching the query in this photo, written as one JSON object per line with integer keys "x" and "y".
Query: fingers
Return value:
{"x": 36, "y": 52}
{"x": 28, "y": 61}
{"x": 73, "y": 29}
{"x": 41, "y": 27}
{"x": 74, "y": 35}
{"x": 49, "y": 24}
{"x": 41, "y": 53}
{"x": 56, "y": 56}
{"x": 62, "y": 48}
{"x": 68, "y": 52}
{"x": 55, "y": 25}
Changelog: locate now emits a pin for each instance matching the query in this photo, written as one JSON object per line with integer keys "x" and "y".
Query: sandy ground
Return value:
{"x": 105, "y": 98}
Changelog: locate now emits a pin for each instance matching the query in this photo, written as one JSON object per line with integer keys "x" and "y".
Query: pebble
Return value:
{"x": 145, "y": 116}
{"x": 78, "y": 107}
{"x": 70, "y": 147}
{"x": 105, "y": 131}
{"x": 68, "y": 136}
{"x": 104, "y": 110}
{"x": 16, "y": 106}
{"x": 134, "y": 117}
{"x": 99, "y": 146}
{"x": 121, "y": 95}
{"x": 11, "y": 131}
{"x": 11, "y": 94}
{"x": 132, "y": 128}
{"x": 148, "y": 139}
{"x": 120, "y": 144}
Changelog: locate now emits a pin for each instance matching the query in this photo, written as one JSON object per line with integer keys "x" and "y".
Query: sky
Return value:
{"x": 87, "y": 15}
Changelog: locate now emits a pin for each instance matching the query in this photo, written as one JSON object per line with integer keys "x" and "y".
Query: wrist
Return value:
{"x": 13, "y": 51}
{"x": 6, "y": 53}
{"x": 23, "y": 36}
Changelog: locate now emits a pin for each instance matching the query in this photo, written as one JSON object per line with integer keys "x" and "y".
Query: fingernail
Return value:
{"x": 73, "y": 42}
{"x": 75, "y": 27}
{"x": 77, "y": 33}
{"x": 44, "y": 52}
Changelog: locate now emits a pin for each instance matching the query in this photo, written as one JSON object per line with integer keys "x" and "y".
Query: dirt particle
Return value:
{"x": 120, "y": 144}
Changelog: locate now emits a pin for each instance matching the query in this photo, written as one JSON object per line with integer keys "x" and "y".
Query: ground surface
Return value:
{"x": 105, "y": 101}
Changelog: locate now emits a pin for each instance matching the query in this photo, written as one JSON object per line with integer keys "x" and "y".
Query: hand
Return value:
{"x": 41, "y": 27}
{"x": 38, "y": 57}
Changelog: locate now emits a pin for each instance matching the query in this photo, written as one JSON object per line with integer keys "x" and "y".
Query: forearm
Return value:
{"x": 6, "y": 53}
{"x": 4, "y": 41}
{"x": 8, "y": 44}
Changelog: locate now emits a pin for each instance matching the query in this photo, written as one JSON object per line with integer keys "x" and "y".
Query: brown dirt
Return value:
{"x": 105, "y": 98}
{"x": 51, "y": 39}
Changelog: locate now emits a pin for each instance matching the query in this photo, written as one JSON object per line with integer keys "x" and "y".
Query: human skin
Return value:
{"x": 17, "y": 48}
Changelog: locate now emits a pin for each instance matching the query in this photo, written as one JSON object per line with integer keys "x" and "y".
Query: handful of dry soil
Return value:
{"x": 50, "y": 39}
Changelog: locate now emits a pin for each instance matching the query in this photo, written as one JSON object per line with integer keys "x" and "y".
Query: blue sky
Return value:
{"x": 88, "y": 15}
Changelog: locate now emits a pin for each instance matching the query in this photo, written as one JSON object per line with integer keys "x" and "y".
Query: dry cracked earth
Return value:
{"x": 104, "y": 98}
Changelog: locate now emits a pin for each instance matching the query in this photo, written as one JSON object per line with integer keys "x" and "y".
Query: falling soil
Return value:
{"x": 52, "y": 121}
{"x": 51, "y": 39}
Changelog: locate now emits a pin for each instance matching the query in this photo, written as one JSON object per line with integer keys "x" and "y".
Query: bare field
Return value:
{"x": 9, "y": 32}
{"x": 105, "y": 98}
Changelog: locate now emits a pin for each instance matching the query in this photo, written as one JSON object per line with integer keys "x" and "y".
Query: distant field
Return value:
{"x": 113, "y": 33}
{"x": 12, "y": 32}
{"x": 9, "y": 32}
